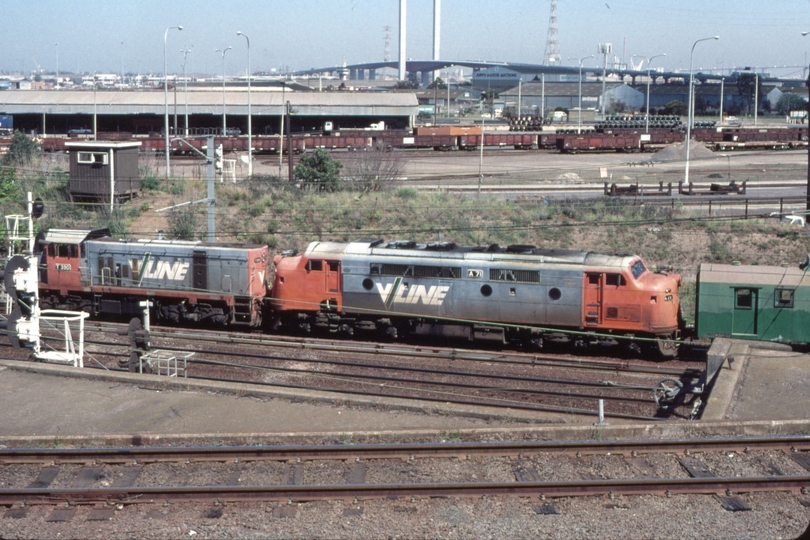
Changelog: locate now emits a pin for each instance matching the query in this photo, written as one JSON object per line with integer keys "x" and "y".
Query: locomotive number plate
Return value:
{"x": 63, "y": 267}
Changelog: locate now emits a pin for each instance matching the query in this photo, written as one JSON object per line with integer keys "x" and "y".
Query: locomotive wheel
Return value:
{"x": 665, "y": 392}
{"x": 668, "y": 348}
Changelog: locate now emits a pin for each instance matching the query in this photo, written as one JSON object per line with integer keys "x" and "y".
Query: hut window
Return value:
{"x": 93, "y": 158}
{"x": 744, "y": 299}
{"x": 783, "y": 298}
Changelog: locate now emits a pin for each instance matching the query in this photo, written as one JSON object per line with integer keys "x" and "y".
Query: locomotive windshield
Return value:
{"x": 638, "y": 268}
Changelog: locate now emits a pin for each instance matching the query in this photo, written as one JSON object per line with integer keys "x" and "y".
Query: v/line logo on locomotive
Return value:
{"x": 159, "y": 269}
{"x": 395, "y": 293}
{"x": 152, "y": 269}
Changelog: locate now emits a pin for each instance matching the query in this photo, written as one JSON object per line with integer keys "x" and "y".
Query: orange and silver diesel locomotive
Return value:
{"x": 516, "y": 293}
{"x": 217, "y": 284}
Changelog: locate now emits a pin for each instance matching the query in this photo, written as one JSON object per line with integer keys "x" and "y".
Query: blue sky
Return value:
{"x": 302, "y": 34}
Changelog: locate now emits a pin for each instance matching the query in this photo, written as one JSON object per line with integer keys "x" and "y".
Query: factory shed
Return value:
{"x": 103, "y": 170}
{"x": 141, "y": 112}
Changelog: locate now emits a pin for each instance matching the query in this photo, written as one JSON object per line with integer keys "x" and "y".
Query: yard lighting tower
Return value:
{"x": 57, "y": 64}
{"x": 249, "y": 126}
{"x": 166, "y": 98}
{"x": 649, "y": 60}
{"x": 579, "y": 109}
{"x": 224, "y": 123}
{"x": 185, "y": 87}
{"x": 807, "y": 206}
{"x": 689, "y": 110}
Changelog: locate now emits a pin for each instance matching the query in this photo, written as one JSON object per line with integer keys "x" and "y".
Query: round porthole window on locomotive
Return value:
{"x": 554, "y": 293}
{"x": 368, "y": 284}
{"x": 486, "y": 290}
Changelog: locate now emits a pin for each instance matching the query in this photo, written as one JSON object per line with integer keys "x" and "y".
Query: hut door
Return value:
{"x": 744, "y": 318}
{"x": 200, "y": 268}
{"x": 592, "y": 299}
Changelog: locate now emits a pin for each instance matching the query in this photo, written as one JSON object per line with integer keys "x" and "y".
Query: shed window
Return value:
{"x": 93, "y": 158}
{"x": 744, "y": 299}
{"x": 783, "y": 298}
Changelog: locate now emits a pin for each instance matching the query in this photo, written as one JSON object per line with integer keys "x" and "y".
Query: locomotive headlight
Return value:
{"x": 668, "y": 298}
{"x": 668, "y": 291}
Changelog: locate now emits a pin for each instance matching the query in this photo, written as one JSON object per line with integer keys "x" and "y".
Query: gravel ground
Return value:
{"x": 773, "y": 516}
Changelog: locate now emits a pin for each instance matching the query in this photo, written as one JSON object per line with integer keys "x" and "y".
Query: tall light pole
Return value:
{"x": 649, "y": 79}
{"x": 689, "y": 110}
{"x": 250, "y": 128}
{"x": 185, "y": 88}
{"x": 722, "y": 93}
{"x": 57, "y": 64}
{"x": 166, "y": 98}
{"x": 122, "y": 63}
{"x": 224, "y": 123}
{"x": 281, "y": 137}
{"x": 579, "y": 110}
{"x": 807, "y": 206}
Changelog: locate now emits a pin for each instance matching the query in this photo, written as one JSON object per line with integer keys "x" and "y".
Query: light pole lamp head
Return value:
{"x": 180, "y": 28}
{"x": 805, "y": 33}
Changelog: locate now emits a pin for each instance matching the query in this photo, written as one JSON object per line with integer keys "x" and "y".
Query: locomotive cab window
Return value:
{"x": 314, "y": 265}
{"x": 783, "y": 298}
{"x": 615, "y": 280}
{"x": 638, "y": 268}
{"x": 63, "y": 250}
{"x": 334, "y": 266}
{"x": 743, "y": 299}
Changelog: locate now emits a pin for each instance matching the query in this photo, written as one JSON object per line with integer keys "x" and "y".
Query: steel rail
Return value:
{"x": 790, "y": 443}
{"x": 629, "y": 486}
{"x": 414, "y": 350}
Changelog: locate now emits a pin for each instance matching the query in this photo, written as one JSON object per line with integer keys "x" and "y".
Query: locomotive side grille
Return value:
{"x": 396, "y": 270}
{"x": 523, "y": 276}
{"x": 437, "y": 272}
{"x": 417, "y": 271}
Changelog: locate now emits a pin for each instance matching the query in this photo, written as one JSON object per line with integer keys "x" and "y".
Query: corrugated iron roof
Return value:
{"x": 204, "y": 101}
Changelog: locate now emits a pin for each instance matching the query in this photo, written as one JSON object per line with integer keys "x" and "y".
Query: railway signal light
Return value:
{"x": 22, "y": 285}
{"x": 218, "y": 157}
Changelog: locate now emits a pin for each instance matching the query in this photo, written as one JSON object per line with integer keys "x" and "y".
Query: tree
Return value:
{"x": 438, "y": 83}
{"x": 790, "y": 102}
{"x": 371, "y": 169}
{"x": 747, "y": 87}
{"x": 320, "y": 170}
{"x": 675, "y": 107}
{"x": 21, "y": 151}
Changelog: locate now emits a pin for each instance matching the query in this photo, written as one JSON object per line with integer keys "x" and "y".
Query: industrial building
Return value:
{"x": 142, "y": 112}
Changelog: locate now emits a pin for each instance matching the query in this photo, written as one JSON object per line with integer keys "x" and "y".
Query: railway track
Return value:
{"x": 376, "y": 471}
{"x": 561, "y": 384}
